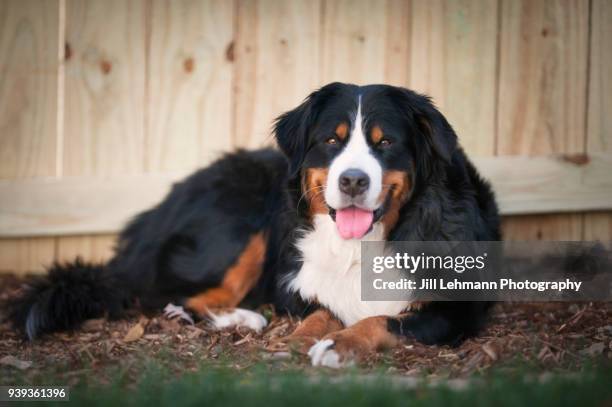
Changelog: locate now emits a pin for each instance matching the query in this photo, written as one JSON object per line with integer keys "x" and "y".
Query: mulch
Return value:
{"x": 545, "y": 337}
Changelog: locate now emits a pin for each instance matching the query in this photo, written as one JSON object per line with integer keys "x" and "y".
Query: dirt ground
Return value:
{"x": 543, "y": 336}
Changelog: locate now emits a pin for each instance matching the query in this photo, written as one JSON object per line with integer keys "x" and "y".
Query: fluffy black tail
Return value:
{"x": 67, "y": 295}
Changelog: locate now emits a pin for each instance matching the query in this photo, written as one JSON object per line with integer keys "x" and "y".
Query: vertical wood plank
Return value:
{"x": 105, "y": 94}
{"x": 543, "y": 73}
{"x": 598, "y": 226}
{"x": 97, "y": 248}
{"x": 104, "y": 87}
{"x": 599, "y": 128}
{"x": 542, "y": 98}
{"x": 453, "y": 59}
{"x": 353, "y": 43}
{"x": 28, "y": 87}
{"x": 189, "y": 83}
{"x": 277, "y": 59}
{"x": 398, "y": 26}
{"x": 365, "y": 42}
{"x": 543, "y": 227}
{"x": 29, "y": 31}
{"x": 26, "y": 255}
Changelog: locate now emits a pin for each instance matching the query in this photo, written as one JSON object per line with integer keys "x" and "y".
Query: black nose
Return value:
{"x": 354, "y": 182}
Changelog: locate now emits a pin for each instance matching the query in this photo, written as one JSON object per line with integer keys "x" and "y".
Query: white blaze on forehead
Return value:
{"x": 355, "y": 155}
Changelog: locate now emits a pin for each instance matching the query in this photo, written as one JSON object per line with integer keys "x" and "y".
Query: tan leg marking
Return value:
{"x": 239, "y": 279}
{"x": 366, "y": 336}
{"x": 311, "y": 329}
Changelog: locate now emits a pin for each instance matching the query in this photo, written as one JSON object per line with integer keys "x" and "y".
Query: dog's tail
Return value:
{"x": 66, "y": 296}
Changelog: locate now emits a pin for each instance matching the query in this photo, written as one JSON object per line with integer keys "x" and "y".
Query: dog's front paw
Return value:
{"x": 322, "y": 353}
{"x": 335, "y": 351}
{"x": 340, "y": 349}
{"x": 239, "y": 317}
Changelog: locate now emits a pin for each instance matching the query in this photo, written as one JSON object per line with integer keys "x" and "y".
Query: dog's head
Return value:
{"x": 358, "y": 152}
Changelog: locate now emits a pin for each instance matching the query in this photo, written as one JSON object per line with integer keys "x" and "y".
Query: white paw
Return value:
{"x": 323, "y": 354}
{"x": 173, "y": 311}
{"x": 239, "y": 317}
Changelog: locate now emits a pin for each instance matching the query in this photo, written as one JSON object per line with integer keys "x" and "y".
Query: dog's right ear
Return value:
{"x": 291, "y": 133}
{"x": 292, "y": 129}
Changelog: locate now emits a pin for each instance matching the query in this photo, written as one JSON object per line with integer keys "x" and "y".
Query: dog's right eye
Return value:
{"x": 332, "y": 140}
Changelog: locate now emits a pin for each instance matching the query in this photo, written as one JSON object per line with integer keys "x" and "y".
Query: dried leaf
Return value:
{"x": 16, "y": 363}
{"x": 134, "y": 333}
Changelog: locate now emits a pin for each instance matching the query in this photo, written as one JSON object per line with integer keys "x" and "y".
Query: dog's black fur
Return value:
{"x": 179, "y": 248}
{"x": 186, "y": 243}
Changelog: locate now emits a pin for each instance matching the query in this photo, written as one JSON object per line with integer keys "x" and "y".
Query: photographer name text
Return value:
{"x": 456, "y": 284}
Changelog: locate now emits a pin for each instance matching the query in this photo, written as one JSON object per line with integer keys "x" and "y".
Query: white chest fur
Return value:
{"x": 331, "y": 273}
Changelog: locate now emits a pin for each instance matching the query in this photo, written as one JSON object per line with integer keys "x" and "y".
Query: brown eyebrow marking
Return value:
{"x": 342, "y": 130}
{"x": 376, "y": 134}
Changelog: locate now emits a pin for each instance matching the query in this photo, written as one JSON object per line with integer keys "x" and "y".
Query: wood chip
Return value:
{"x": 490, "y": 350}
{"x": 153, "y": 337}
{"x": 169, "y": 325}
{"x": 16, "y": 363}
{"x": 243, "y": 340}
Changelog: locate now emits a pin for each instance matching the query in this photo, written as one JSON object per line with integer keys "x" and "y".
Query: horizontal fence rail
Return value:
{"x": 82, "y": 205}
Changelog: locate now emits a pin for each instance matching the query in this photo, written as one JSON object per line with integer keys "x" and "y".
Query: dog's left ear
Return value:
{"x": 291, "y": 133}
{"x": 439, "y": 135}
{"x": 439, "y": 132}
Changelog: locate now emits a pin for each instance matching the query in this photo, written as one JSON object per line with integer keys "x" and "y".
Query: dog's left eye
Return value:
{"x": 384, "y": 142}
{"x": 332, "y": 140}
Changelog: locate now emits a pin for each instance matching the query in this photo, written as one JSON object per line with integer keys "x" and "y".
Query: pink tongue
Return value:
{"x": 353, "y": 223}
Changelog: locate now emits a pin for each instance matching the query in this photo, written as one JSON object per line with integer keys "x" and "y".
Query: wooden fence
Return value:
{"x": 104, "y": 102}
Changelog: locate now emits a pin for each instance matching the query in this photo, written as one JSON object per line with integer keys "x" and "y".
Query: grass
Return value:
{"x": 262, "y": 385}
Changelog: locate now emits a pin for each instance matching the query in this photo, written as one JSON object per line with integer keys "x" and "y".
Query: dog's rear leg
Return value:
{"x": 219, "y": 303}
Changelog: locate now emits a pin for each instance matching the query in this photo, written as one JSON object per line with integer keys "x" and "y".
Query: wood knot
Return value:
{"x": 189, "y": 65}
{"x": 544, "y": 32}
{"x": 576, "y": 159}
{"x": 229, "y": 51}
{"x": 67, "y": 51}
{"x": 106, "y": 67}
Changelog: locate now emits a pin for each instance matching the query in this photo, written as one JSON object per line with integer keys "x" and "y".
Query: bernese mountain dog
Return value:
{"x": 356, "y": 163}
